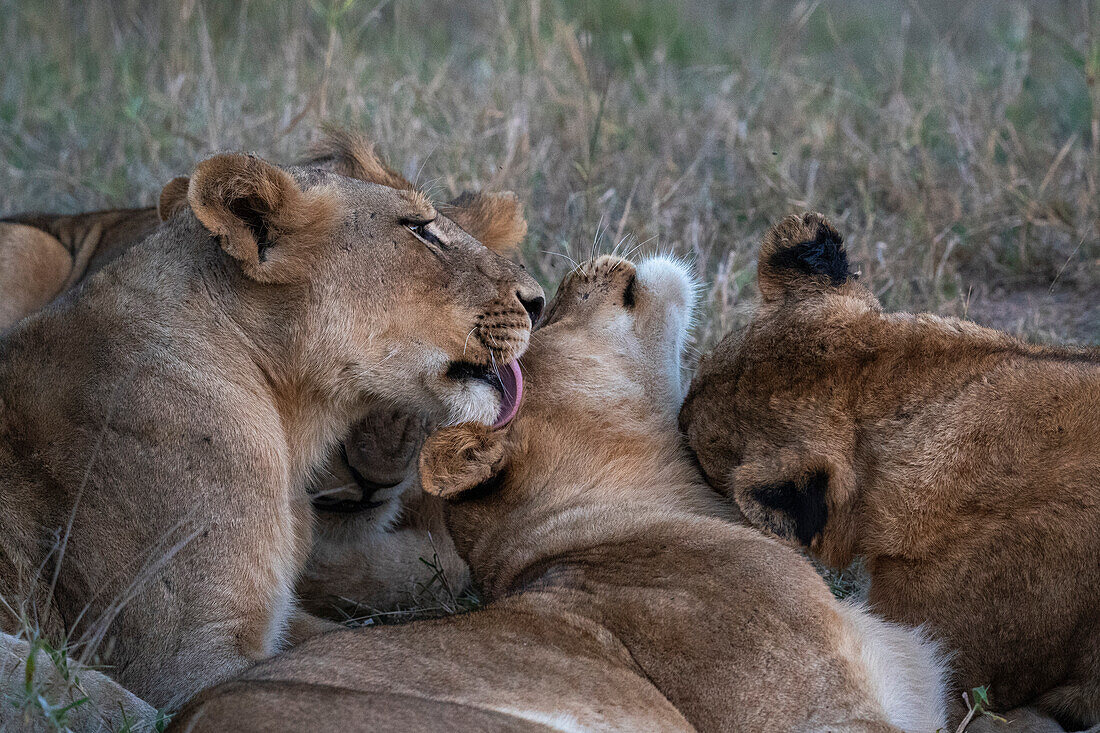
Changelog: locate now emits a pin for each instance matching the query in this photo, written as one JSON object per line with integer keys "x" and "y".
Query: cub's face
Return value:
{"x": 769, "y": 411}
{"x": 613, "y": 338}
{"x": 602, "y": 391}
{"x": 373, "y": 290}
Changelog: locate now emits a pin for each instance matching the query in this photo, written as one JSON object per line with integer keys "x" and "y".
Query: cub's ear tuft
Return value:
{"x": 173, "y": 198}
{"x": 802, "y": 255}
{"x": 494, "y": 219}
{"x": 460, "y": 458}
{"x": 262, "y": 218}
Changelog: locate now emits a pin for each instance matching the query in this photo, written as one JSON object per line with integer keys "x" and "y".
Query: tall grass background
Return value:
{"x": 955, "y": 143}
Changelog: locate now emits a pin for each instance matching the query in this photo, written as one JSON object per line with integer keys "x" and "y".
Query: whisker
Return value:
{"x": 562, "y": 254}
{"x": 416, "y": 179}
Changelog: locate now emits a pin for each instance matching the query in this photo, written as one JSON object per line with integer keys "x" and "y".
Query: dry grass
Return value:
{"x": 956, "y": 144}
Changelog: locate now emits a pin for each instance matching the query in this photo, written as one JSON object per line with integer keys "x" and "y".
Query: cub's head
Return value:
{"x": 597, "y": 427}
{"x": 769, "y": 410}
{"x": 366, "y": 288}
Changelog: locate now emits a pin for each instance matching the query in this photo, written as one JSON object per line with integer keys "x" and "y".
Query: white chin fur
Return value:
{"x": 471, "y": 401}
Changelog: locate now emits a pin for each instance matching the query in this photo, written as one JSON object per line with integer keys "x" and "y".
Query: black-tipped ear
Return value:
{"x": 802, "y": 254}
{"x": 794, "y": 510}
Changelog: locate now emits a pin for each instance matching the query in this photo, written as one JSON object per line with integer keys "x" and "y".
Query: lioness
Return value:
{"x": 158, "y": 426}
{"x": 391, "y": 551}
{"x": 618, "y": 596}
{"x": 959, "y": 461}
{"x": 44, "y": 254}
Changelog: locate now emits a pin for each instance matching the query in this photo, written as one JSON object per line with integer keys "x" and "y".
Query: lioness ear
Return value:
{"x": 262, "y": 217}
{"x": 173, "y": 198}
{"x": 802, "y": 255}
{"x": 459, "y": 458}
{"x": 494, "y": 219}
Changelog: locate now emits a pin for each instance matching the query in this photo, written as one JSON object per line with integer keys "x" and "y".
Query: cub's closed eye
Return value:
{"x": 422, "y": 231}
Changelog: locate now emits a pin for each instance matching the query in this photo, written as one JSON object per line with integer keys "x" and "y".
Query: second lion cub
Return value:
{"x": 960, "y": 462}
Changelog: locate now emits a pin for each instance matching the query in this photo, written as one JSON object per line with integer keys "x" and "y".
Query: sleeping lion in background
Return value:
{"x": 962, "y": 463}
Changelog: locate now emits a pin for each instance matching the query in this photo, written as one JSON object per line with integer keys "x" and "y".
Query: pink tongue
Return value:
{"x": 512, "y": 380}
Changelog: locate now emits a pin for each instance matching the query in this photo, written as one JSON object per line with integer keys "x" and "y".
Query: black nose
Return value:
{"x": 532, "y": 304}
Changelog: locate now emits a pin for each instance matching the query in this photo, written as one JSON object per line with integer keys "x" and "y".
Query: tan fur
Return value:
{"x": 91, "y": 240}
{"x": 496, "y": 217}
{"x": 296, "y": 223}
{"x": 33, "y": 269}
{"x": 617, "y": 595}
{"x": 350, "y": 154}
{"x": 158, "y": 429}
{"x": 173, "y": 198}
{"x": 391, "y": 550}
{"x": 360, "y": 566}
{"x": 340, "y": 574}
{"x": 960, "y": 462}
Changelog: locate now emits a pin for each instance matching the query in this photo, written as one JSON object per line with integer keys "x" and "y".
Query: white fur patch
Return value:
{"x": 906, "y": 671}
{"x": 472, "y": 401}
{"x": 671, "y": 279}
{"x": 555, "y": 721}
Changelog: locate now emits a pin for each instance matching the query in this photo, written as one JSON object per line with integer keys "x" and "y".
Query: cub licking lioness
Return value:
{"x": 158, "y": 426}
{"x": 618, "y": 596}
{"x": 960, "y": 462}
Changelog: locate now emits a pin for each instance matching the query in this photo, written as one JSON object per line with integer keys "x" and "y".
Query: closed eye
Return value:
{"x": 423, "y": 231}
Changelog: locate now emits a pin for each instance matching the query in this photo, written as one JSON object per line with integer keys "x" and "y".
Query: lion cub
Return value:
{"x": 158, "y": 426}
{"x": 618, "y": 598}
{"x": 960, "y": 462}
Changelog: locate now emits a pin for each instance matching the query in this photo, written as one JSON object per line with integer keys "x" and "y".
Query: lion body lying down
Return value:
{"x": 619, "y": 597}
{"x": 158, "y": 428}
{"x": 961, "y": 463}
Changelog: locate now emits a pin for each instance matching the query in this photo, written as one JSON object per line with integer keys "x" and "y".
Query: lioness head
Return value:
{"x": 603, "y": 389}
{"x": 365, "y": 289}
{"x": 768, "y": 410}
